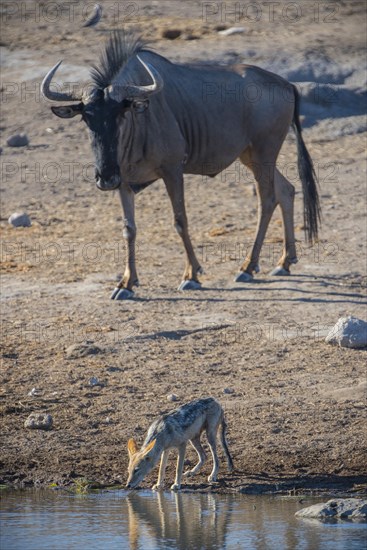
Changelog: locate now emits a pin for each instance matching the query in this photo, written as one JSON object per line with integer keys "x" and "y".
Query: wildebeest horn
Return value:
{"x": 55, "y": 96}
{"x": 144, "y": 91}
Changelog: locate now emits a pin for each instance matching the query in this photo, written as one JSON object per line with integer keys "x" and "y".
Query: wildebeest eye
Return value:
{"x": 140, "y": 105}
{"x": 126, "y": 103}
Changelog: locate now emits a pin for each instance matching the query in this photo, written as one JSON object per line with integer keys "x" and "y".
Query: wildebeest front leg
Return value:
{"x": 175, "y": 189}
{"x": 124, "y": 289}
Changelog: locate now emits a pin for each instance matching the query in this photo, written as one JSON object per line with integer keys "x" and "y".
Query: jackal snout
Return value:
{"x": 140, "y": 463}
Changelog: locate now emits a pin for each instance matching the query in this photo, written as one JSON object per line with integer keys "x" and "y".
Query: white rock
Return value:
{"x": 34, "y": 392}
{"x": 39, "y": 421}
{"x": 19, "y": 219}
{"x": 349, "y": 332}
{"x": 232, "y": 30}
{"x": 343, "y": 508}
{"x": 75, "y": 351}
{"x": 172, "y": 397}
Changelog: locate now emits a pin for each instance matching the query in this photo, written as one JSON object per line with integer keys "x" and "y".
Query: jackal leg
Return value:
{"x": 201, "y": 454}
{"x": 180, "y": 462}
{"x": 212, "y": 440}
{"x": 162, "y": 471}
{"x": 175, "y": 189}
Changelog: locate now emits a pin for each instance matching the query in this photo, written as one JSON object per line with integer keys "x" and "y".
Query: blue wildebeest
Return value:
{"x": 149, "y": 118}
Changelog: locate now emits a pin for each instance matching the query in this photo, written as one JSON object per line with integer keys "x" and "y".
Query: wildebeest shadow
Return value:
{"x": 312, "y": 296}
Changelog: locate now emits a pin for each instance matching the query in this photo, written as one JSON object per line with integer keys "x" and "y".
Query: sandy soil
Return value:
{"x": 294, "y": 404}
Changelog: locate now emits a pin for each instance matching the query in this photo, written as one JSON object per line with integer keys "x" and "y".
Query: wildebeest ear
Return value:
{"x": 67, "y": 111}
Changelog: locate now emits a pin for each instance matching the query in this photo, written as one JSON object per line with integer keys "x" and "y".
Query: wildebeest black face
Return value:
{"x": 103, "y": 117}
{"x": 104, "y": 109}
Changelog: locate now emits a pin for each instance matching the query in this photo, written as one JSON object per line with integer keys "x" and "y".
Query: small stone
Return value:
{"x": 190, "y": 37}
{"x": 18, "y": 140}
{"x": 228, "y": 391}
{"x": 94, "y": 382}
{"x": 34, "y": 392}
{"x": 75, "y": 351}
{"x": 19, "y": 219}
{"x": 95, "y": 17}
{"x": 39, "y": 421}
{"x": 172, "y": 397}
{"x": 171, "y": 34}
{"x": 349, "y": 332}
{"x": 232, "y": 30}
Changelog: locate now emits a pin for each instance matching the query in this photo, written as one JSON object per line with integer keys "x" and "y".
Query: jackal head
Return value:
{"x": 140, "y": 462}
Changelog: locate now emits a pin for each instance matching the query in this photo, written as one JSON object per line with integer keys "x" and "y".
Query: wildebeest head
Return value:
{"x": 103, "y": 107}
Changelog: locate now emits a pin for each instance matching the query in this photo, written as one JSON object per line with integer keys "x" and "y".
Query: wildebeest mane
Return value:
{"x": 121, "y": 46}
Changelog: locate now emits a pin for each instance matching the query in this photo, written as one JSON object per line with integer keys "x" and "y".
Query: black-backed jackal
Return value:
{"x": 174, "y": 430}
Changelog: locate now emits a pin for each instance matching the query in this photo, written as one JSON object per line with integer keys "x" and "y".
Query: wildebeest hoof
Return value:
{"x": 122, "y": 294}
{"x": 244, "y": 277}
{"x": 190, "y": 284}
{"x": 175, "y": 487}
{"x": 212, "y": 479}
{"x": 280, "y": 271}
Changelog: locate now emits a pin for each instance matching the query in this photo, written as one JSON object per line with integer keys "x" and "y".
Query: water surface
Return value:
{"x": 37, "y": 520}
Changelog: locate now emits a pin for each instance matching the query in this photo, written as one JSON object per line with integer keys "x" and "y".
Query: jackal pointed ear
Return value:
{"x": 67, "y": 111}
{"x": 149, "y": 447}
{"x": 131, "y": 447}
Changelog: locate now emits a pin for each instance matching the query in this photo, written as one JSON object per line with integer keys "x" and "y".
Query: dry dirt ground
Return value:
{"x": 294, "y": 404}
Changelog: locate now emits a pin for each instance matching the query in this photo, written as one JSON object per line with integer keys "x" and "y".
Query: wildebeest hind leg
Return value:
{"x": 175, "y": 189}
{"x": 284, "y": 192}
{"x": 262, "y": 165}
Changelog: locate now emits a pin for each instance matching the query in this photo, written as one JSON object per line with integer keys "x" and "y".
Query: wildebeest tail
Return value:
{"x": 223, "y": 440}
{"x": 311, "y": 203}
